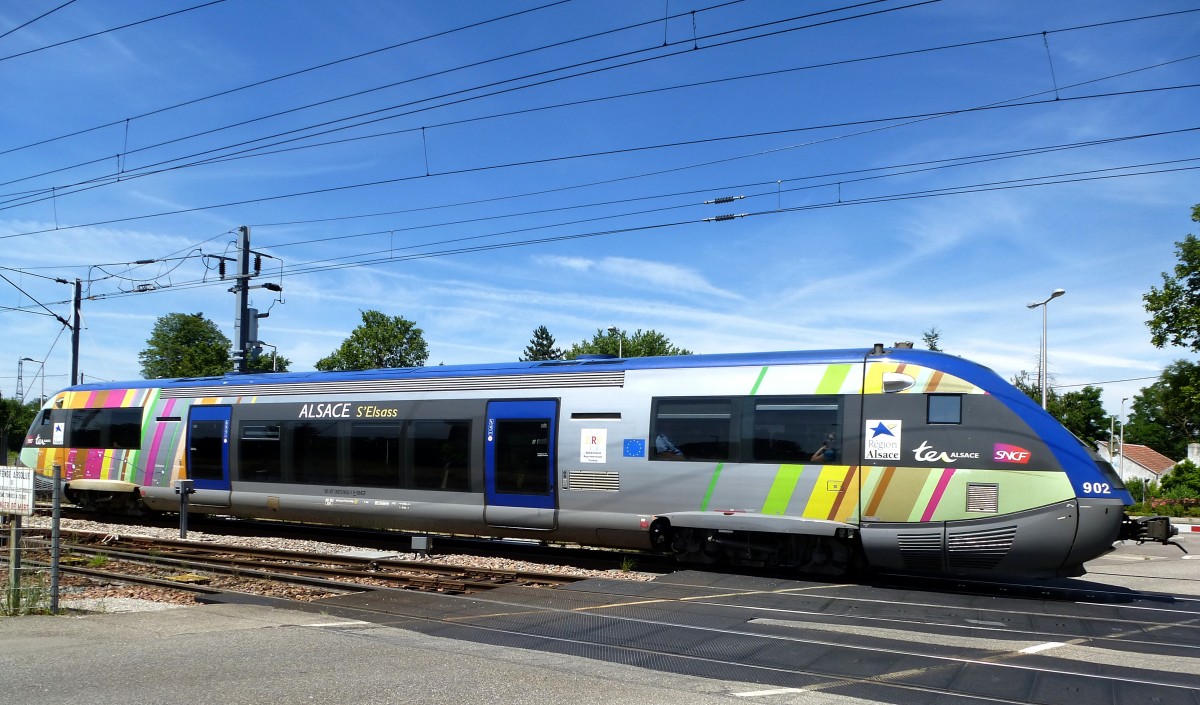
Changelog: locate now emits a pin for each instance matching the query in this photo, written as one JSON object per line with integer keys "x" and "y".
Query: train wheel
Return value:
{"x": 694, "y": 546}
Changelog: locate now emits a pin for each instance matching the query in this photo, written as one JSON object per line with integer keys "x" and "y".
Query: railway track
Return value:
{"x": 207, "y": 568}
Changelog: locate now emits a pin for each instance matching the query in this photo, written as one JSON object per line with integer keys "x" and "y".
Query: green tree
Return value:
{"x": 1081, "y": 412}
{"x": 15, "y": 419}
{"x": 932, "y": 338}
{"x": 380, "y": 341}
{"x": 1183, "y": 482}
{"x": 185, "y": 345}
{"x": 648, "y": 343}
{"x": 271, "y": 362}
{"x": 1175, "y": 309}
{"x": 541, "y": 347}
{"x": 1166, "y": 414}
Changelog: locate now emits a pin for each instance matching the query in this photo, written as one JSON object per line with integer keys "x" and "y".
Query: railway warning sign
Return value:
{"x": 16, "y": 490}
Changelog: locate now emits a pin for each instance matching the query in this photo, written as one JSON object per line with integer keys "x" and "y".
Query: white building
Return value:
{"x": 1142, "y": 462}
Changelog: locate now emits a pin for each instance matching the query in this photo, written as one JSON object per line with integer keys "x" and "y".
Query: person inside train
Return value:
{"x": 826, "y": 452}
{"x": 665, "y": 449}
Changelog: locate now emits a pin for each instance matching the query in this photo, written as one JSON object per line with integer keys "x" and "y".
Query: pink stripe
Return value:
{"x": 115, "y": 398}
{"x": 937, "y": 493}
{"x": 157, "y": 443}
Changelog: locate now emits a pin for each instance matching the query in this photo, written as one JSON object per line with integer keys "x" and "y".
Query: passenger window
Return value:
{"x": 259, "y": 453}
{"x": 945, "y": 408}
{"x": 314, "y": 452}
{"x": 440, "y": 454}
{"x": 796, "y": 430}
{"x": 375, "y": 454}
{"x": 691, "y": 429}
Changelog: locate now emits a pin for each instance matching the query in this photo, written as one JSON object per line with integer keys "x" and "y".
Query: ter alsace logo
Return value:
{"x": 1004, "y": 453}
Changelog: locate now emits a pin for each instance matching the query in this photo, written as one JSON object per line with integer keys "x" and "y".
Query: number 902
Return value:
{"x": 1097, "y": 487}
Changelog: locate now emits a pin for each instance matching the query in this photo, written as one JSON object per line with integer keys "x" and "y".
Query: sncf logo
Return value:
{"x": 1004, "y": 453}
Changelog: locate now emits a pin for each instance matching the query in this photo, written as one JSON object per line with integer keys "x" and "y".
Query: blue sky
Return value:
{"x": 578, "y": 141}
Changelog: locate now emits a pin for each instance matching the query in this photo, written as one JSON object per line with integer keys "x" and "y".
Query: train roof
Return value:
{"x": 950, "y": 364}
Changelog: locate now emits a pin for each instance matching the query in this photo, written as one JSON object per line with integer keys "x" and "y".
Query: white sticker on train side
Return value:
{"x": 592, "y": 442}
{"x": 882, "y": 439}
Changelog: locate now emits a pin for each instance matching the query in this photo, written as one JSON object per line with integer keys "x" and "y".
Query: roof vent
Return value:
{"x": 903, "y": 345}
{"x": 878, "y": 349}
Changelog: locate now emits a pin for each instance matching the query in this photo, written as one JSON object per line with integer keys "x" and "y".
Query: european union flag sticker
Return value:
{"x": 635, "y": 447}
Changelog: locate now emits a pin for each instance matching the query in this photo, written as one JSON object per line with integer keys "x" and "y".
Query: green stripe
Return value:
{"x": 129, "y": 471}
{"x": 835, "y": 376}
{"x": 712, "y": 485}
{"x": 782, "y": 488}
{"x": 762, "y": 373}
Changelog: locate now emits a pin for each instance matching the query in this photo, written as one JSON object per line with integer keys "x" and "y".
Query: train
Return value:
{"x": 821, "y": 462}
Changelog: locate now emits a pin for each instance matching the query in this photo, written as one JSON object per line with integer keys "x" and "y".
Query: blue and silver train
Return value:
{"x": 825, "y": 462}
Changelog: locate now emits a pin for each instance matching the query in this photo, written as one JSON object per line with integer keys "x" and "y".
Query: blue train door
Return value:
{"x": 519, "y": 465}
{"x": 208, "y": 454}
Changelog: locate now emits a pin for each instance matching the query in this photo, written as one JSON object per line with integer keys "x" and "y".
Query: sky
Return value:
{"x": 485, "y": 168}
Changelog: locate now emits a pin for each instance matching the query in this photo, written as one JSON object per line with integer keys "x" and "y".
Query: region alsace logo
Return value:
{"x": 882, "y": 439}
{"x": 1005, "y": 453}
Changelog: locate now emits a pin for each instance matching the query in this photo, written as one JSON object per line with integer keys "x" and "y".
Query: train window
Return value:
{"x": 105, "y": 428}
{"x": 375, "y": 454}
{"x": 691, "y": 429}
{"x": 440, "y": 453}
{"x": 314, "y": 457}
{"x": 259, "y": 453}
{"x": 795, "y": 429}
{"x": 945, "y": 408}
{"x": 523, "y": 456}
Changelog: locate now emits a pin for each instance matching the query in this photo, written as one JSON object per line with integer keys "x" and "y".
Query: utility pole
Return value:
{"x": 241, "y": 290}
{"x": 246, "y": 345}
{"x": 77, "y": 308}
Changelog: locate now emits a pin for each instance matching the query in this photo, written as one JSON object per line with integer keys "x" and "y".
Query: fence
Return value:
{"x": 30, "y": 562}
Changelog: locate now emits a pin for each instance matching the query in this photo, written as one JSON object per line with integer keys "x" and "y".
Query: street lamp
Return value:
{"x": 1121, "y": 447}
{"x": 612, "y": 330}
{"x": 1042, "y": 372}
{"x": 21, "y": 372}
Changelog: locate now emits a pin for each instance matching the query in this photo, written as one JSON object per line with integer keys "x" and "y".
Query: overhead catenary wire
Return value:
{"x": 309, "y": 69}
{"x": 907, "y": 119}
{"x": 125, "y": 174}
{"x": 111, "y": 30}
{"x": 45, "y": 14}
{"x": 378, "y": 258}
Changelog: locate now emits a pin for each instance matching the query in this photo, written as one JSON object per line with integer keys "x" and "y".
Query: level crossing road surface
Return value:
{"x": 641, "y": 643}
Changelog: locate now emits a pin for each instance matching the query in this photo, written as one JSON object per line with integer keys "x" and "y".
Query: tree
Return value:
{"x": 15, "y": 419}
{"x": 1175, "y": 309}
{"x": 649, "y": 343}
{"x": 381, "y": 341}
{"x": 1183, "y": 482}
{"x": 932, "y": 337}
{"x": 272, "y": 362}
{"x": 1166, "y": 414}
{"x": 541, "y": 347}
{"x": 1081, "y": 412}
{"x": 185, "y": 345}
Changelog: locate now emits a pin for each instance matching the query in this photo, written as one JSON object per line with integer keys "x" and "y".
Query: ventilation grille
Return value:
{"x": 585, "y": 480}
{"x": 921, "y": 551}
{"x": 983, "y": 498}
{"x": 345, "y": 387}
{"x": 979, "y": 549}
